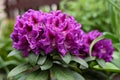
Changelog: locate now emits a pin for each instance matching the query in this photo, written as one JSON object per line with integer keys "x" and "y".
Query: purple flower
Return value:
{"x": 39, "y": 31}
{"x": 103, "y": 49}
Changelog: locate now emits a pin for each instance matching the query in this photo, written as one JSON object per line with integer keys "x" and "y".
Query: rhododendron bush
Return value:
{"x": 56, "y": 47}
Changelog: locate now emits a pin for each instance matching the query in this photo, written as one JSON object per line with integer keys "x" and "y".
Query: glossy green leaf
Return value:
{"x": 43, "y": 75}
{"x": 47, "y": 65}
{"x": 89, "y": 59}
{"x": 13, "y": 53}
{"x": 80, "y": 61}
{"x": 67, "y": 58}
{"x": 41, "y": 60}
{"x": 116, "y": 59}
{"x": 117, "y": 46}
{"x": 19, "y": 69}
{"x": 109, "y": 67}
{"x": 101, "y": 62}
{"x": 32, "y": 58}
{"x": 77, "y": 76}
{"x": 62, "y": 73}
{"x": 23, "y": 77}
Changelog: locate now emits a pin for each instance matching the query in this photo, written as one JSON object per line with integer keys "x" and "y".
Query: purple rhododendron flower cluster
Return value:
{"x": 37, "y": 31}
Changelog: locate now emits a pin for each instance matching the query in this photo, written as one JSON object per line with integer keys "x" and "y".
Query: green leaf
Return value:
{"x": 23, "y": 77}
{"x": 116, "y": 59}
{"x": 7, "y": 63}
{"x": 117, "y": 46}
{"x": 77, "y": 76}
{"x": 115, "y": 5}
{"x": 89, "y": 59}
{"x": 80, "y": 61}
{"x": 62, "y": 73}
{"x": 13, "y": 53}
{"x": 18, "y": 69}
{"x": 47, "y": 65}
{"x": 111, "y": 36}
{"x": 67, "y": 58}
{"x": 41, "y": 60}
{"x": 32, "y": 58}
{"x": 31, "y": 76}
{"x": 101, "y": 62}
{"x": 43, "y": 75}
{"x": 109, "y": 67}
{"x": 94, "y": 42}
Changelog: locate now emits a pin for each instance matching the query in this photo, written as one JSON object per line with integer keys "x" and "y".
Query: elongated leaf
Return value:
{"x": 116, "y": 59}
{"x": 13, "y": 53}
{"x": 101, "y": 63}
{"x": 48, "y": 64}
{"x": 89, "y": 59}
{"x": 67, "y": 58}
{"x": 62, "y": 73}
{"x": 109, "y": 67}
{"x": 116, "y": 62}
{"x": 7, "y": 63}
{"x": 18, "y": 69}
{"x": 23, "y": 77}
{"x": 31, "y": 76}
{"x": 43, "y": 75}
{"x": 32, "y": 59}
{"x": 111, "y": 36}
{"x": 94, "y": 42}
{"x": 77, "y": 76}
{"x": 80, "y": 61}
{"x": 115, "y": 5}
{"x": 42, "y": 60}
{"x": 117, "y": 46}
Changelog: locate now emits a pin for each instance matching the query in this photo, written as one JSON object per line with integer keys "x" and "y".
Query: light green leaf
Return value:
{"x": 93, "y": 43}
{"x": 80, "y": 61}
{"x": 18, "y": 69}
{"x": 111, "y": 36}
{"x": 101, "y": 62}
{"x": 77, "y": 76}
{"x": 116, "y": 59}
{"x": 32, "y": 58}
{"x": 62, "y": 73}
{"x": 66, "y": 58}
{"x": 113, "y": 66}
{"x": 7, "y": 63}
{"x": 41, "y": 60}
{"x": 23, "y": 77}
{"x": 89, "y": 59}
{"x": 109, "y": 67}
{"x": 47, "y": 65}
{"x": 13, "y": 53}
{"x": 115, "y": 5}
{"x": 117, "y": 46}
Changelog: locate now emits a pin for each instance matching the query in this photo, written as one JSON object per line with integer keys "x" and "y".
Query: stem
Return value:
{"x": 49, "y": 78}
